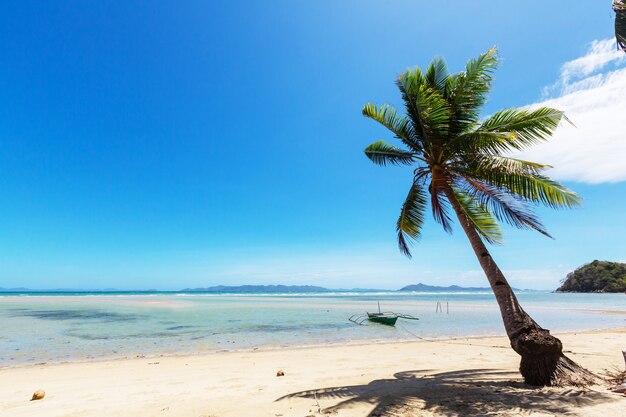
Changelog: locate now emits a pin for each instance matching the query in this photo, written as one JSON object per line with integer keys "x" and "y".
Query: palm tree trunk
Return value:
{"x": 542, "y": 358}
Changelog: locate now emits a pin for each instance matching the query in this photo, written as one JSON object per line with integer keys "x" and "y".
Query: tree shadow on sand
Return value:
{"x": 467, "y": 393}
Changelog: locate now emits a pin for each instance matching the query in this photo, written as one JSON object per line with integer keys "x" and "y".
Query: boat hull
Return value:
{"x": 382, "y": 319}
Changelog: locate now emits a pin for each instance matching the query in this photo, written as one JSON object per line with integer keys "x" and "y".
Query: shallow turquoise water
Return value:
{"x": 54, "y": 328}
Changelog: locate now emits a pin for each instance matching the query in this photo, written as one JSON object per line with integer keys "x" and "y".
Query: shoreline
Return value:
{"x": 359, "y": 343}
{"x": 429, "y": 378}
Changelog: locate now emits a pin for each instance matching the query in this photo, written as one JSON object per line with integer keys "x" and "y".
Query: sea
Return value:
{"x": 55, "y": 327}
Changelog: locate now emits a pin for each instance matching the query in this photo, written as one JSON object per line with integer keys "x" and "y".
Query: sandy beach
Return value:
{"x": 312, "y": 209}
{"x": 457, "y": 377}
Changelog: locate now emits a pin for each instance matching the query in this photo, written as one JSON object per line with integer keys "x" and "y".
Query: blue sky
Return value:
{"x": 175, "y": 144}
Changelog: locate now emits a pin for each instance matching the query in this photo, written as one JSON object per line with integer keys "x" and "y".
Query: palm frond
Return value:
{"x": 409, "y": 84}
{"x": 467, "y": 91}
{"x": 505, "y": 207}
{"x": 533, "y": 187}
{"x": 484, "y": 223}
{"x": 399, "y": 125}
{"x": 504, "y": 164}
{"x": 619, "y": 6}
{"x": 518, "y": 165}
{"x": 426, "y": 106}
{"x": 441, "y": 210}
{"x": 521, "y": 127}
{"x": 478, "y": 142}
{"x": 382, "y": 153}
{"x": 411, "y": 219}
{"x": 420, "y": 174}
{"x": 433, "y": 112}
{"x": 437, "y": 75}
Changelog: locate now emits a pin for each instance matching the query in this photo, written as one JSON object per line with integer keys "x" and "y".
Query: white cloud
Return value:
{"x": 600, "y": 54}
{"x": 591, "y": 90}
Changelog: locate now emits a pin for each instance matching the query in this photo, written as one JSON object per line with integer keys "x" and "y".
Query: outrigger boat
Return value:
{"x": 388, "y": 318}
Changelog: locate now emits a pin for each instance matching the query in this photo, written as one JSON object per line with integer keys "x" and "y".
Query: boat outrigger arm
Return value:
{"x": 388, "y": 318}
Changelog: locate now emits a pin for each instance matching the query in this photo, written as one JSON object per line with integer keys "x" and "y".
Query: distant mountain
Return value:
{"x": 14, "y": 289}
{"x": 242, "y": 289}
{"x": 73, "y": 290}
{"x": 254, "y": 289}
{"x": 433, "y": 288}
{"x": 596, "y": 276}
{"x": 264, "y": 289}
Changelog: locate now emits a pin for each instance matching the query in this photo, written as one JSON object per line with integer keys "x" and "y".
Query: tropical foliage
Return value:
{"x": 620, "y": 23}
{"x": 457, "y": 155}
{"x": 596, "y": 276}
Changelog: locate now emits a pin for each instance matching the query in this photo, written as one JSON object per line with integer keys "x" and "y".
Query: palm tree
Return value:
{"x": 459, "y": 165}
{"x": 620, "y": 23}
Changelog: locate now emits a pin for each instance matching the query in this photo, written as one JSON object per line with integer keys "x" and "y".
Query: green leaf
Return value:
{"x": 437, "y": 75}
{"x": 478, "y": 142}
{"x": 382, "y": 153}
{"x": 433, "y": 112}
{"x": 504, "y": 206}
{"x": 619, "y": 6}
{"x": 409, "y": 84}
{"x": 441, "y": 208}
{"x": 467, "y": 91}
{"x": 411, "y": 218}
{"x": 484, "y": 223}
{"x": 534, "y": 187}
{"x": 426, "y": 107}
{"x": 399, "y": 125}
{"x": 520, "y": 128}
{"x": 503, "y": 164}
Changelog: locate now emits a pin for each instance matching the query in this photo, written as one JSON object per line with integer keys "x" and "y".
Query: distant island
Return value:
{"x": 596, "y": 276}
{"x": 432, "y": 288}
{"x": 251, "y": 289}
{"x": 247, "y": 289}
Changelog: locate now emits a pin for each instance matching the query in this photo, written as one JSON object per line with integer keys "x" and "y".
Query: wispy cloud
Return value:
{"x": 368, "y": 267}
{"x": 547, "y": 278}
{"x": 365, "y": 268}
{"x": 591, "y": 90}
{"x": 601, "y": 53}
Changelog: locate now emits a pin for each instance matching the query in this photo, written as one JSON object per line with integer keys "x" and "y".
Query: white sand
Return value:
{"x": 463, "y": 377}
